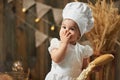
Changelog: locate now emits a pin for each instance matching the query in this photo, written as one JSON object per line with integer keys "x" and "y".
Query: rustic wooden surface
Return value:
{"x": 2, "y": 55}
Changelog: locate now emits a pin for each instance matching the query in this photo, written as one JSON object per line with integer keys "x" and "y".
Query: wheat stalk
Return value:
{"x": 106, "y": 27}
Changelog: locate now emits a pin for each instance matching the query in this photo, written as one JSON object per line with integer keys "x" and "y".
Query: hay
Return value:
{"x": 106, "y": 27}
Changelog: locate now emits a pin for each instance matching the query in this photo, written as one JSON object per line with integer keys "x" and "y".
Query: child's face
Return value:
{"x": 70, "y": 26}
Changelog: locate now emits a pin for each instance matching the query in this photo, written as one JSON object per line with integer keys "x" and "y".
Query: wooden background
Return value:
{"x": 17, "y": 39}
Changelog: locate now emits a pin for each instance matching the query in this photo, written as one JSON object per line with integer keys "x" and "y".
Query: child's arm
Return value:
{"x": 85, "y": 63}
{"x": 58, "y": 54}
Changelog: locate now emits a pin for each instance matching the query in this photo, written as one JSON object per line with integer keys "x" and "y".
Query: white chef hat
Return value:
{"x": 81, "y": 14}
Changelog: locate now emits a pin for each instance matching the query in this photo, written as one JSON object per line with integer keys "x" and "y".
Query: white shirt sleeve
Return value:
{"x": 87, "y": 52}
{"x": 54, "y": 43}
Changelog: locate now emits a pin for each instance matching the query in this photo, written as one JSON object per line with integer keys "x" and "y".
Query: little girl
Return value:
{"x": 67, "y": 54}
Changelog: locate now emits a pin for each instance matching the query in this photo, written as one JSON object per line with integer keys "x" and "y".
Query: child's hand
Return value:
{"x": 65, "y": 37}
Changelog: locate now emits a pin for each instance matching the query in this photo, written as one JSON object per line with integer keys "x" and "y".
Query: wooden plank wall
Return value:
{"x": 117, "y": 62}
{"x": 117, "y": 55}
{"x": 2, "y": 57}
{"x": 9, "y": 36}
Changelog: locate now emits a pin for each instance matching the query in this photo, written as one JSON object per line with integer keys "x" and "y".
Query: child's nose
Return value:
{"x": 67, "y": 30}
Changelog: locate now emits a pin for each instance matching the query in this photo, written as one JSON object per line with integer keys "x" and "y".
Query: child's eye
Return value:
{"x": 64, "y": 27}
{"x": 72, "y": 29}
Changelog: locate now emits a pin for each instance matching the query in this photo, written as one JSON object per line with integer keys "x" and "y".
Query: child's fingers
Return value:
{"x": 68, "y": 35}
{"x": 64, "y": 33}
